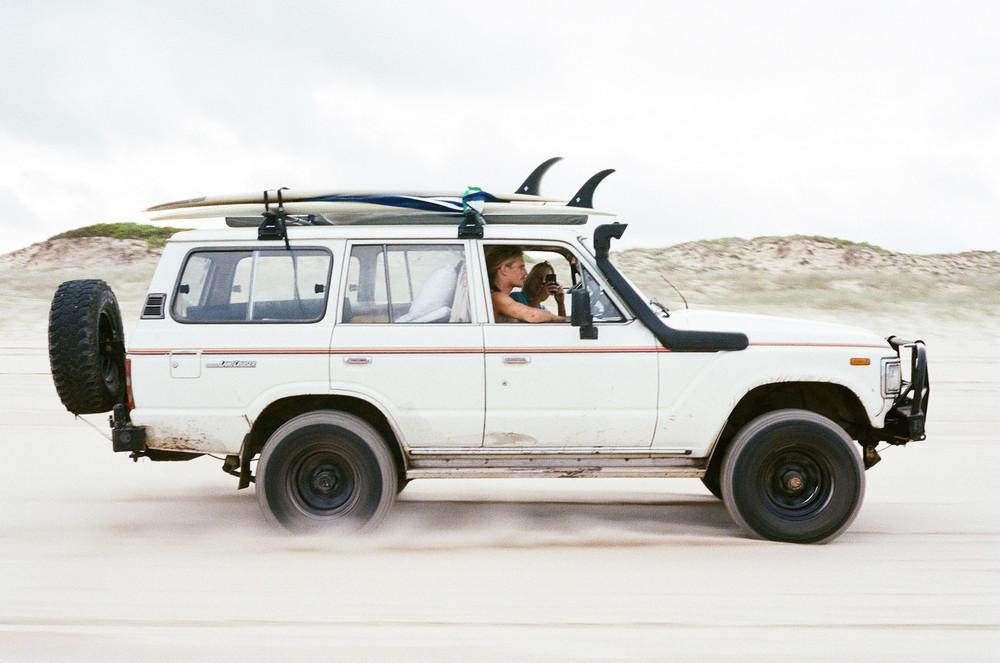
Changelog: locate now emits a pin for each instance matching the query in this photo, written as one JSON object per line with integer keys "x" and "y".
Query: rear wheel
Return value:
{"x": 326, "y": 469}
{"x": 793, "y": 475}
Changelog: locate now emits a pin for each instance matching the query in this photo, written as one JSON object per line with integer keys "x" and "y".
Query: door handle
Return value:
{"x": 516, "y": 360}
{"x": 357, "y": 361}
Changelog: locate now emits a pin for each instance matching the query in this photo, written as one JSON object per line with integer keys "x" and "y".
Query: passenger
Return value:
{"x": 537, "y": 288}
{"x": 506, "y": 271}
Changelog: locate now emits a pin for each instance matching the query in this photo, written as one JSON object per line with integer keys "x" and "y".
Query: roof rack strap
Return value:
{"x": 273, "y": 226}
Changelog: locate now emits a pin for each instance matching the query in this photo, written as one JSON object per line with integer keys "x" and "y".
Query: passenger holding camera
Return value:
{"x": 540, "y": 284}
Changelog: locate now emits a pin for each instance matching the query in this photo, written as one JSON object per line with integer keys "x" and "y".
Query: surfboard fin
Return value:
{"x": 585, "y": 196}
{"x": 531, "y": 186}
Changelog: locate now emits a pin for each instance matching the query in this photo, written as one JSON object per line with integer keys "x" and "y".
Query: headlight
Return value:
{"x": 892, "y": 377}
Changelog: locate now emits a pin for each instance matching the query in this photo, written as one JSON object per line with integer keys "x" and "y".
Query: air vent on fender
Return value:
{"x": 153, "y": 308}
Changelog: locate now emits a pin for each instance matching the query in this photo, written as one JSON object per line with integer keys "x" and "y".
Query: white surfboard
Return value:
{"x": 320, "y": 195}
{"x": 351, "y": 212}
{"x": 529, "y": 191}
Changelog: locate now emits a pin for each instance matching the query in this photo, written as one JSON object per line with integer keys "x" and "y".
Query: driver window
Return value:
{"x": 551, "y": 274}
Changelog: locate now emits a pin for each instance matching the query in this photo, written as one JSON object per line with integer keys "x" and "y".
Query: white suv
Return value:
{"x": 350, "y": 358}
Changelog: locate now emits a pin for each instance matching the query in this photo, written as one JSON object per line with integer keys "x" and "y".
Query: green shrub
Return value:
{"x": 153, "y": 235}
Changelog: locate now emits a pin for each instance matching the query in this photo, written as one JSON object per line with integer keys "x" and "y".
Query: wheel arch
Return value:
{"x": 829, "y": 399}
{"x": 283, "y": 409}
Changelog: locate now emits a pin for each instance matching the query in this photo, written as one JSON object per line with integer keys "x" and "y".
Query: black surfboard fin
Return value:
{"x": 534, "y": 181}
{"x": 585, "y": 196}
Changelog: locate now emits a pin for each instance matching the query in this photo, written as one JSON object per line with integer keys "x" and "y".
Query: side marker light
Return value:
{"x": 129, "y": 400}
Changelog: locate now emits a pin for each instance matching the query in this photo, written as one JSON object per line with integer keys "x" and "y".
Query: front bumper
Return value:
{"x": 907, "y": 417}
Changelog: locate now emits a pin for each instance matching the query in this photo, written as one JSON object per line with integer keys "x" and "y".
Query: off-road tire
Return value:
{"x": 326, "y": 469}
{"x": 794, "y": 476}
{"x": 87, "y": 346}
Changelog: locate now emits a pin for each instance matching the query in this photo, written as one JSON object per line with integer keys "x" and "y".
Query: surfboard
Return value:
{"x": 351, "y": 211}
{"x": 529, "y": 191}
{"x": 318, "y": 196}
{"x": 331, "y": 208}
{"x": 419, "y": 219}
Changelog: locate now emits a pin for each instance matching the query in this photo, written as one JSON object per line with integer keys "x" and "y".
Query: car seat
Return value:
{"x": 433, "y": 302}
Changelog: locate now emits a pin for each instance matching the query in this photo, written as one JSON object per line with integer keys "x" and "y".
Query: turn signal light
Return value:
{"x": 860, "y": 361}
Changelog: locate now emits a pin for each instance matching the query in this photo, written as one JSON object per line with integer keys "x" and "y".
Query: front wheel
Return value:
{"x": 795, "y": 476}
{"x": 325, "y": 469}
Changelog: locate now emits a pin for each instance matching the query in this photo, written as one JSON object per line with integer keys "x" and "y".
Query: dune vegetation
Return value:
{"x": 155, "y": 236}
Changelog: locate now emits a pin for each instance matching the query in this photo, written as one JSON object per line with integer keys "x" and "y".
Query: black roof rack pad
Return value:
{"x": 273, "y": 225}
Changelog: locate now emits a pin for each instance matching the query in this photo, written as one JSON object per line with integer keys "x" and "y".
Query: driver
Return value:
{"x": 506, "y": 271}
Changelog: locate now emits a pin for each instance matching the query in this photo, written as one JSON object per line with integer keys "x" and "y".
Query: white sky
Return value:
{"x": 875, "y": 122}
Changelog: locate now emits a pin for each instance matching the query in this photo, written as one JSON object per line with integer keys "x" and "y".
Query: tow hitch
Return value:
{"x": 125, "y": 436}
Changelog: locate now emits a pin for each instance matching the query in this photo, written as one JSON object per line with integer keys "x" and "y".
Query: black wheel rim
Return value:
{"x": 105, "y": 339}
{"x": 323, "y": 482}
{"x": 796, "y": 481}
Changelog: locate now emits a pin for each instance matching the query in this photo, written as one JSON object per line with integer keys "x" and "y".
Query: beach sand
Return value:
{"x": 102, "y": 559}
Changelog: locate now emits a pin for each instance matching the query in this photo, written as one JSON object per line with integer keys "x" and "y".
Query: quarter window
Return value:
{"x": 407, "y": 283}
{"x": 253, "y": 286}
{"x": 601, "y": 307}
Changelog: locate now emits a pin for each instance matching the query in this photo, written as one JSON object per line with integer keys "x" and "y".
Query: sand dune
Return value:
{"x": 764, "y": 274}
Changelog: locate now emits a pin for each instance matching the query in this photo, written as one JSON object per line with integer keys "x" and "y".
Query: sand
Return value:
{"x": 102, "y": 559}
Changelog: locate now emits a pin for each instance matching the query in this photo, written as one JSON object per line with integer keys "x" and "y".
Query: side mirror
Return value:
{"x": 581, "y": 316}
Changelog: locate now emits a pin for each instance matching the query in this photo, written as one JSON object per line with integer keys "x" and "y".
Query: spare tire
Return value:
{"x": 87, "y": 346}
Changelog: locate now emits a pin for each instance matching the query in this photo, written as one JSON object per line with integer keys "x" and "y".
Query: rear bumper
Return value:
{"x": 906, "y": 419}
{"x": 127, "y": 437}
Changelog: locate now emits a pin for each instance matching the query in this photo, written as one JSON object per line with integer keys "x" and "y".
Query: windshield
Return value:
{"x": 586, "y": 242}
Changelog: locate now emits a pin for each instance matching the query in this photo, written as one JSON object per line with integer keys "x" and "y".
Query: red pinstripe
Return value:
{"x": 495, "y": 350}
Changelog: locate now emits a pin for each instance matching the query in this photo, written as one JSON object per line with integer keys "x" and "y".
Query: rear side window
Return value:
{"x": 270, "y": 285}
{"x": 407, "y": 283}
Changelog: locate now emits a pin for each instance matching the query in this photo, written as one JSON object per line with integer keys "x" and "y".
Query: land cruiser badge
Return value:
{"x": 232, "y": 363}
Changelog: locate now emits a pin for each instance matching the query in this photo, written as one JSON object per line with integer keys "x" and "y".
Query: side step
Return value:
{"x": 453, "y": 463}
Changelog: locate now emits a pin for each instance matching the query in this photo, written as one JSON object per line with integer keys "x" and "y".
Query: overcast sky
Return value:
{"x": 870, "y": 121}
